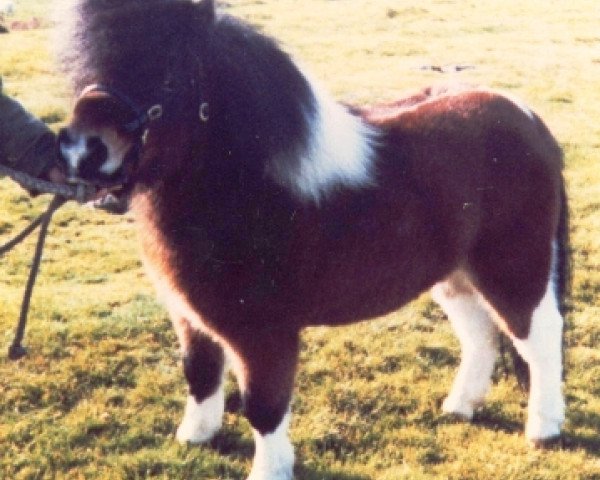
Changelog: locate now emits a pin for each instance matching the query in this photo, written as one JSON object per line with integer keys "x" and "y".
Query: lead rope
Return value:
{"x": 16, "y": 350}
{"x": 62, "y": 193}
{"x": 78, "y": 192}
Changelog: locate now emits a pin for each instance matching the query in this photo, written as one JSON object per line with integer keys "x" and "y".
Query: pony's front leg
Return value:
{"x": 265, "y": 365}
{"x": 203, "y": 366}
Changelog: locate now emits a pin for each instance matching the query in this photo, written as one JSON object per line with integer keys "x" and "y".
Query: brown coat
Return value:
{"x": 26, "y": 143}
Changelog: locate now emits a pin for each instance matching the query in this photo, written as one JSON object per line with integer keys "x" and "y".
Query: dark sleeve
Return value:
{"x": 26, "y": 143}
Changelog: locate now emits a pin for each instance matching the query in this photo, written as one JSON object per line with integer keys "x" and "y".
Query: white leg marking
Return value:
{"x": 542, "y": 350}
{"x": 478, "y": 336}
{"x": 201, "y": 421}
{"x": 274, "y": 454}
{"x": 339, "y": 151}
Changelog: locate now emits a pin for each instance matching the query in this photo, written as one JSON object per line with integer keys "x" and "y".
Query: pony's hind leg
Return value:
{"x": 478, "y": 337}
{"x": 522, "y": 292}
{"x": 203, "y": 366}
{"x": 542, "y": 350}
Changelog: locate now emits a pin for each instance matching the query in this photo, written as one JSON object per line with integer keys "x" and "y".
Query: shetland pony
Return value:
{"x": 264, "y": 207}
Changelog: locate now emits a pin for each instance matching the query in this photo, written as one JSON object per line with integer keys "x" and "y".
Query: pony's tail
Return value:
{"x": 563, "y": 266}
{"x": 563, "y": 254}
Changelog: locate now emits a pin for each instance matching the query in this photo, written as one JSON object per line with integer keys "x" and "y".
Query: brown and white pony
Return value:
{"x": 264, "y": 207}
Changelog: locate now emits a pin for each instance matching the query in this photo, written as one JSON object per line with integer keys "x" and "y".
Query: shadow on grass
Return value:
{"x": 495, "y": 420}
{"x": 488, "y": 417}
{"x": 588, "y": 442}
{"x": 232, "y": 444}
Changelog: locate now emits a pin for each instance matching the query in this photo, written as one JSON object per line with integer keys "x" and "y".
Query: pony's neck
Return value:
{"x": 269, "y": 117}
{"x": 259, "y": 101}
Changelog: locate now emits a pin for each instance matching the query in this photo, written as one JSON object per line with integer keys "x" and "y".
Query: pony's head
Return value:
{"x": 149, "y": 72}
{"x": 102, "y": 142}
{"x": 135, "y": 65}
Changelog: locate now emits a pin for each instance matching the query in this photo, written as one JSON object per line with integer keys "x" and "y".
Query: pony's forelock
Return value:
{"x": 76, "y": 40}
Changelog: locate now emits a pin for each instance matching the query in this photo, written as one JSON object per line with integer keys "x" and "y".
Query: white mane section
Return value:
{"x": 339, "y": 151}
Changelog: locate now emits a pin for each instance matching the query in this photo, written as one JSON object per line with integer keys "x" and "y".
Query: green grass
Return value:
{"x": 101, "y": 392}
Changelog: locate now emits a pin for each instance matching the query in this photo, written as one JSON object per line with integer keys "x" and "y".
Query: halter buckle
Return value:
{"x": 155, "y": 112}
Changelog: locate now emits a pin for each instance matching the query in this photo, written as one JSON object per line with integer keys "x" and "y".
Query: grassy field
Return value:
{"x": 101, "y": 392}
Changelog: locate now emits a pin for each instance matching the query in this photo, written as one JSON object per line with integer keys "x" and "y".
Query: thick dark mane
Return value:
{"x": 196, "y": 56}
{"x": 107, "y": 39}
{"x": 254, "y": 78}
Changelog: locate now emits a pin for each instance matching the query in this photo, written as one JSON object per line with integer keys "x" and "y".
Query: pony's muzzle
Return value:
{"x": 83, "y": 157}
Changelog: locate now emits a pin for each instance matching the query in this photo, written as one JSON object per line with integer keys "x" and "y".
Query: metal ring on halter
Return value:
{"x": 155, "y": 112}
{"x": 203, "y": 112}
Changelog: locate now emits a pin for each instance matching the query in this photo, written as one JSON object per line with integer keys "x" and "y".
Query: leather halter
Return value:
{"x": 137, "y": 127}
{"x": 141, "y": 117}
{"x": 140, "y": 123}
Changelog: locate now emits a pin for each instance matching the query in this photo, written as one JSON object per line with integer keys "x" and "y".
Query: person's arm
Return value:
{"x": 26, "y": 143}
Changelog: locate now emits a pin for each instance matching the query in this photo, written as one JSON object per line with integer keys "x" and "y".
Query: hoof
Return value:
{"x": 283, "y": 471}
{"x": 543, "y": 432}
{"x": 460, "y": 410}
{"x": 201, "y": 421}
{"x": 285, "y": 474}
{"x": 194, "y": 434}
